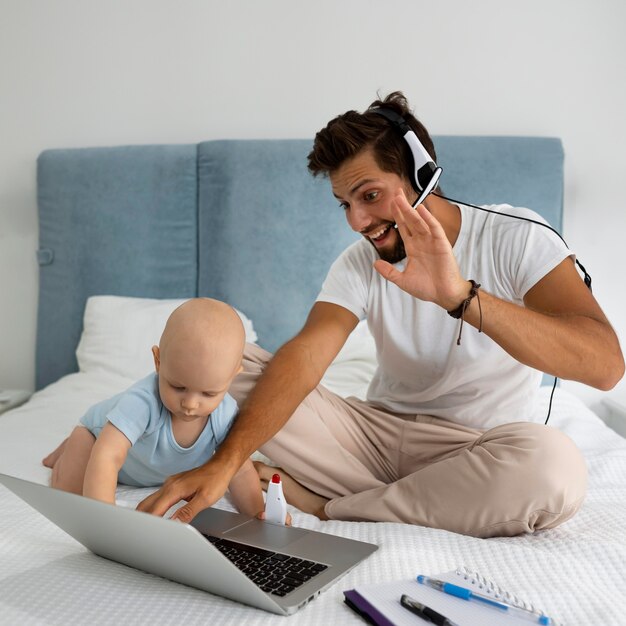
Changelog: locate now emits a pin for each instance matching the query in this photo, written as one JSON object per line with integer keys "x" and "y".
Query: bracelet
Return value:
{"x": 459, "y": 312}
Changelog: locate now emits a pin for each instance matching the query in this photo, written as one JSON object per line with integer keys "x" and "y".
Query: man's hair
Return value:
{"x": 348, "y": 134}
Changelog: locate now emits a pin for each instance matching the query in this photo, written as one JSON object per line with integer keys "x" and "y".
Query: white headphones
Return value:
{"x": 424, "y": 171}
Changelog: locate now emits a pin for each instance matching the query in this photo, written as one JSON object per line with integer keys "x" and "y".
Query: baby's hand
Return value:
{"x": 261, "y": 516}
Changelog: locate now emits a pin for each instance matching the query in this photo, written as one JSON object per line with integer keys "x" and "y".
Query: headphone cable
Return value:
{"x": 586, "y": 276}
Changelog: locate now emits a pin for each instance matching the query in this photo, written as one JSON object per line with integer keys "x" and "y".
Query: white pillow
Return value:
{"x": 119, "y": 332}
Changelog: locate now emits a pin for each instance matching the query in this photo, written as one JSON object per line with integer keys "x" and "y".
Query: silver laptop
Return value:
{"x": 274, "y": 568}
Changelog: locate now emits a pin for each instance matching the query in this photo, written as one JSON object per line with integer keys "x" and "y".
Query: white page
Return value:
{"x": 385, "y": 597}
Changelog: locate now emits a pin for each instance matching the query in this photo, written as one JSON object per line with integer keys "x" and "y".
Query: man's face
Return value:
{"x": 365, "y": 193}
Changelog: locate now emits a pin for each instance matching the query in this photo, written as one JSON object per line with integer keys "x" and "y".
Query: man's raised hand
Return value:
{"x": 431, "y": 272}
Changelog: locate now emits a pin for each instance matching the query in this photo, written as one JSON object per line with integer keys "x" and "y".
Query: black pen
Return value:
{"x": 425, "y": 612}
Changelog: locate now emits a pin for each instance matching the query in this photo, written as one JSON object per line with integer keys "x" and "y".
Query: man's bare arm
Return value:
{"x": 291, "y": 375}
{"x": 561, "y": 330}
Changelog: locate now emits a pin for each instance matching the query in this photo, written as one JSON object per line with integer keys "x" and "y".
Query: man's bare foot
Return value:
{"x": 53, "y": 457}
{"x": 295, "y": 493}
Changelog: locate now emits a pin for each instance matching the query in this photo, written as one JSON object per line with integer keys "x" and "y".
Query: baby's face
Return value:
{"x": 191, "y": 389}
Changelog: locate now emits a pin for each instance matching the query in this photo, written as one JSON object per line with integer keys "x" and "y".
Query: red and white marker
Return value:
{"x": 275, "y": 504}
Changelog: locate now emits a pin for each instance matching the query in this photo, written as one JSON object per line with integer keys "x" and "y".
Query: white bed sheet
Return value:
{"x": 575, "y": 572}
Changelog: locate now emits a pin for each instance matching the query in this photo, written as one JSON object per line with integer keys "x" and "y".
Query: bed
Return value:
{"x": 125, "y": 234}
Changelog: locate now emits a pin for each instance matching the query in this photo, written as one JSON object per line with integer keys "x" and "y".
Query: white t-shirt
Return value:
{"x": 421, "y": 369}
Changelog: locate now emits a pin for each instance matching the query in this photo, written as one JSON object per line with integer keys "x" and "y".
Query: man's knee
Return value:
{"x": 548, "y": 481}
{"x": 554, "y": 464}
{"x": 560, "y": 470}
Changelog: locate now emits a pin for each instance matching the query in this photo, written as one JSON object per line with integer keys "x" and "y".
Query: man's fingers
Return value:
{"x": 429, "y": 220}
{"x": 387, "y": 270}
{"x": 411, "y": 221}
{"x": 159, "y": 502}
{"x": 146, "y": 504}
{"x": 399, "y": 216}
{"x": 187, "y": 512}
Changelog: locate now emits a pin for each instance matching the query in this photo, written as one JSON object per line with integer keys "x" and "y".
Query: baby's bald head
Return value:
{"x": 203, "y": 334}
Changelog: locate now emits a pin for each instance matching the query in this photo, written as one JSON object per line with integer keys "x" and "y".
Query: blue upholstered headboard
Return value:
{"x": 242, "y": 221}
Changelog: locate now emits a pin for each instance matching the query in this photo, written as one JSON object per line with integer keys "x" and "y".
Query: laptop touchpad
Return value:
{"x": 268, "y": 536}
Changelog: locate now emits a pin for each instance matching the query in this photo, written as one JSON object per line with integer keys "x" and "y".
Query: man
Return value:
{"x": 445, "y": 438}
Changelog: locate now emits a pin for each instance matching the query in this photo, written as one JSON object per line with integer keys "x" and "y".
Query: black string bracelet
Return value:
{"x": 459, "y": 312}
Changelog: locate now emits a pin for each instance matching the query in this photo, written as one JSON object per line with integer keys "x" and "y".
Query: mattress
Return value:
{"x": 574, "y": 572}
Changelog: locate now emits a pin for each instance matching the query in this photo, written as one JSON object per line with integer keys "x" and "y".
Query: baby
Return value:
{"x": 169, "y": 422}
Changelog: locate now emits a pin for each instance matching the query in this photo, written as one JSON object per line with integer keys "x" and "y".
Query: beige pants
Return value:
{"x": 375, "y": 465}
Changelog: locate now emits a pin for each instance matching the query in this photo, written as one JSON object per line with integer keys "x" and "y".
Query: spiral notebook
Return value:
{"x": 380, "y": 603}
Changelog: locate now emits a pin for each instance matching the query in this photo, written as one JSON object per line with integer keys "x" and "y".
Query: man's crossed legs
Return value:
{"x": 349, "y": 460}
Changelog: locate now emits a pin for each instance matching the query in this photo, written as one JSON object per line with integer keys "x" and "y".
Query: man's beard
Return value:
{"x": 396, "y": 254}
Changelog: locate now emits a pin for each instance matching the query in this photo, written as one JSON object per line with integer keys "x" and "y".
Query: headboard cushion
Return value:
{"x": 268, "y": 232}
{"x": 242, "y": 221}
{"x": 119, "y": 221}
{"x": 521, "y": 171}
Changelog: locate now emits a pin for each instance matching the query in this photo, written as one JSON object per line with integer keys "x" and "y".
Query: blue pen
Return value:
{"x": 469, "y": 595}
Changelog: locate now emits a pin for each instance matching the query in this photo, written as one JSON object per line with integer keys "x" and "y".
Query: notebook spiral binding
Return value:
{"x": 485, "y": 586}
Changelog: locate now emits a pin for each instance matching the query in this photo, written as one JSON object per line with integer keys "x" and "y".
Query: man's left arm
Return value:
{"x": 561, "y": 330}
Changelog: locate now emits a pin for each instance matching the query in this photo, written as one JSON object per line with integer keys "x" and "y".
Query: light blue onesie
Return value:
{"x": 154, "y": 455}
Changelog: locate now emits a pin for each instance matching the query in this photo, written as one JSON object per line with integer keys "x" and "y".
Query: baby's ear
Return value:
{"x": 157, "y": 358}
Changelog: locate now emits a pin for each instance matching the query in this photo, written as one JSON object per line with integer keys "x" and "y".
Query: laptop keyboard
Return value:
{"x": 273, "y": 572}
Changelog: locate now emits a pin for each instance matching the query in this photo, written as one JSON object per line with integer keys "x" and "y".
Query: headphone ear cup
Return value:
{"x": 423, "y": 168}
{"x": 424, "y": 172}
{"x": 432, "y": 180}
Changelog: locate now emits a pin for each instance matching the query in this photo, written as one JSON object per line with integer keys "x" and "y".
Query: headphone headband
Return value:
{"x": 396, "y": 119}
{"x": 424, "y": 171}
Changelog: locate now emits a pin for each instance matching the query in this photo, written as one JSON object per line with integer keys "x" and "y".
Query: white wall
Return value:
{"x": 86, "y": 72}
